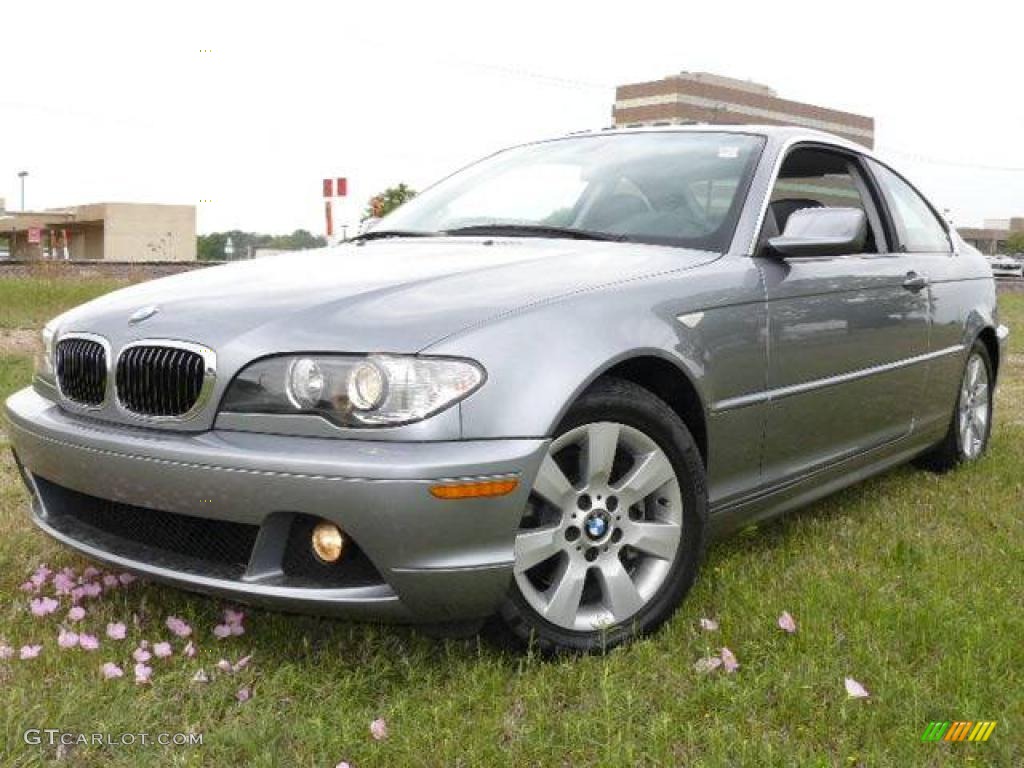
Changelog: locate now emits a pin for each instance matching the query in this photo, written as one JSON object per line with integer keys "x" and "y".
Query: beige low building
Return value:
{"x": 102, "y": 231}
{"x": 993, "y": 238}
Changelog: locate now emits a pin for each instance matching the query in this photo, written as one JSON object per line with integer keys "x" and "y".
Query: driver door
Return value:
{"x": 843, "y": 330}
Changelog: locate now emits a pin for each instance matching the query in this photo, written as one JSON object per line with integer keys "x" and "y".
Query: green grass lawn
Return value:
{"x": 910, "y": 583}
{"x": 30, "y": 302}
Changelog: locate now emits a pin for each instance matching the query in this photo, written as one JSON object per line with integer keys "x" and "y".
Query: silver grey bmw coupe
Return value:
{"x": 532, "y": 393}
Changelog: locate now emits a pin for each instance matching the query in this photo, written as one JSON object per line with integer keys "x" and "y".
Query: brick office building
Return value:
{"x": 700, "y": 97}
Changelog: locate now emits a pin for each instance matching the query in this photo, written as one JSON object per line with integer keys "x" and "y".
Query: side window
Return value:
{"x": 917, "y": 228}
{"x": 817, "y": 178}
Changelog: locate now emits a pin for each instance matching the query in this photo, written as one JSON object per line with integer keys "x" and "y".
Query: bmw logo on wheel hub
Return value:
{"x": 597, "y": 524}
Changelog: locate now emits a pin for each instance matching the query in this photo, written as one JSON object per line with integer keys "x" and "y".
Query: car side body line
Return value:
{"x": 781, "y": 392}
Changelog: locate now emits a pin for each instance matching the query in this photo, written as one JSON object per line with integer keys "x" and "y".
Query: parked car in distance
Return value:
{"x": 534, "y": 392}
{"x": 1006, "y": 266}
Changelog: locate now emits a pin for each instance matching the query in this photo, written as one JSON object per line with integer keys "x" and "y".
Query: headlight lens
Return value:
{"x": 379, "y": 390}
{"x": 305, "y": 385}
{"x": 366, "y": 386}
{"x": 44, "y": 359}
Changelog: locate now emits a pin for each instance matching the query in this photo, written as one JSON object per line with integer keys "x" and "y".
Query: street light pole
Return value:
{"x": 22, "y": 175}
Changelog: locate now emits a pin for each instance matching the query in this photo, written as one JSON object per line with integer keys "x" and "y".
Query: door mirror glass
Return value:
{"x": 822, "y": 232}
{"x": 368, "y": 224}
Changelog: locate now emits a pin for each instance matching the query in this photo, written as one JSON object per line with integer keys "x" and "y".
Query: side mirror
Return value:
{"x": 367, "y": 224}
{"x": 822, "y": 232}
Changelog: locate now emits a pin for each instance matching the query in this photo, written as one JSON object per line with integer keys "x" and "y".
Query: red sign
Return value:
{"x": 342, "y": 186}
{"x": 35, "y": 235}
{"x": 328, "y": 187}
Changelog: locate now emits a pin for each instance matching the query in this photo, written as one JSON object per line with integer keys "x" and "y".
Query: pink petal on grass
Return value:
{"x": 141, "y": 655}
{"x": 92, "y": 589}
{"x": 178, "y": 626}
{"x": 200, "y": 677}
{"x": 43, "y": 606}
{"x": 729, "y": 663}
{"x": 116, "y": 631}
{"x": 707, "y": 664}
{"x": 221, "y": 631}
{"x": 237, "y": 629}
{"x": 708, "y": 625}
{"x": 244, "y": 694}
{"x": 77, "y": 613}
{"x": 63, "y": 583}
{"x": 190, "y": 650}
{"x": 30, "y": 651}
{"x": 142, "y": 673}
{"x": 233, "y": 617}
{"x": 29, "y": 587}
{"x": 224, "y": 665}
{"x": 88, "y": 642}
{"x": 41, "y": 575}
{"x": 91, "y": 572}
{"x": 786, "y": 623}
{"x": 855, "y": 690}
{"x": 379, "y": 729}
{"x": 111, "y": 670}
{"x": 110, "y": 581}
{"x": 126, "y": 578}
{"x": 162, "y": 650}
{"x": 67, "y": 639}
{"x": 343, "y": 764}
{"x": 242, "y": 663}
{"x": 6, "y": 651}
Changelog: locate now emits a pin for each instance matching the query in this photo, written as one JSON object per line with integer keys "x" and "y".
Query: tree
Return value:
{"x": 384, "y": 203}
{"x": 1015, "y": 242}
{"x": 211, "y": 247}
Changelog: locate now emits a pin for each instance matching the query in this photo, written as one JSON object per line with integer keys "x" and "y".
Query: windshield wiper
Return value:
{"x": 385, "y": 233}
{"x": 534, "y": 230}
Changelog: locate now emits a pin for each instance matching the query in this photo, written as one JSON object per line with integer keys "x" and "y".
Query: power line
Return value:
{"x": 930, "y": 160}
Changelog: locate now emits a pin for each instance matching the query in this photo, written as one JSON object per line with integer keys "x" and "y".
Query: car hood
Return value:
{"x": 383, "y": 296}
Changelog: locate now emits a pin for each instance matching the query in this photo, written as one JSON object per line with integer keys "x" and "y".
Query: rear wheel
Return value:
{"x": 971, "y": 425}
{"x": 613, "y": 533}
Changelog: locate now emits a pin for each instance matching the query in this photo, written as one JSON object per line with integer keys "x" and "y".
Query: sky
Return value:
{"x": 249, "y": 105}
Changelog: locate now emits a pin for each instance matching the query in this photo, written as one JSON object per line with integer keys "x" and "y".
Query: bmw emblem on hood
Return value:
{"x": 143, "y": 313}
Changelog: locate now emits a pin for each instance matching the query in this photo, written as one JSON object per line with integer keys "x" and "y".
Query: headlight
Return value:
{"x": 44, "y": 359}
{"x": 379, "y": 390}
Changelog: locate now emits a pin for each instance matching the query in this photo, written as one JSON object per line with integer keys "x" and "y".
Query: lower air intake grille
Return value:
{"x": 180, "y": 542}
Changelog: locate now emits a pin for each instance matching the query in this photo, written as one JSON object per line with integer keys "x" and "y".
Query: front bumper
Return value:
{"x": 437, "y": 560}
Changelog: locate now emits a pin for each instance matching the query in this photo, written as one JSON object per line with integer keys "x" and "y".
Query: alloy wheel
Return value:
{"x": 974, "y": 408}
{"x": 602, "y": 528}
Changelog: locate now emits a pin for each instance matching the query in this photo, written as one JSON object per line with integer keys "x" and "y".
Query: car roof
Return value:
{"x": 780, "y": 134}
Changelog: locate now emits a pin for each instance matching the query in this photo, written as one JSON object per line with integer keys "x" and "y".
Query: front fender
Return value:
{"x": 540, "y": 360}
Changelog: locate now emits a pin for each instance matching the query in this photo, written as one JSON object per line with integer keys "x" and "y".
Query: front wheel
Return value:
{"x": 971, "y": 425}
{"x": 613, "y": 533}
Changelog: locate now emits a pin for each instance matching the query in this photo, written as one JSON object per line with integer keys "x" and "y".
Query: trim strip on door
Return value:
{"x": 770, "y": 395}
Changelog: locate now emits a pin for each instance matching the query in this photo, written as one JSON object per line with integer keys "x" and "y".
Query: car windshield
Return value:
{"x": 671, "y": 188}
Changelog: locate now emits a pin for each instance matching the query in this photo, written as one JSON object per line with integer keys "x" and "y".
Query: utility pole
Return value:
{"x": 22, "y": 175}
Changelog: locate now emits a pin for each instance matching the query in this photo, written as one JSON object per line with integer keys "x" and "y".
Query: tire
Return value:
{"x": 614, "y": 531}
{"x": 975, "y": 399}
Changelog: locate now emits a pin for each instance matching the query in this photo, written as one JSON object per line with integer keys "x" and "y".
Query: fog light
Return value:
{"x": 328, "y": 542}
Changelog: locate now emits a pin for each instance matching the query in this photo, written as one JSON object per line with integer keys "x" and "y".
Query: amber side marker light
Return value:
{"x": 475, "y": 489}
{"x": 328, "y": 542}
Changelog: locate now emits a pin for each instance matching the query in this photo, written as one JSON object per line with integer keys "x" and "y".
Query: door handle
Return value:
{"x": 915, "y": 282}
